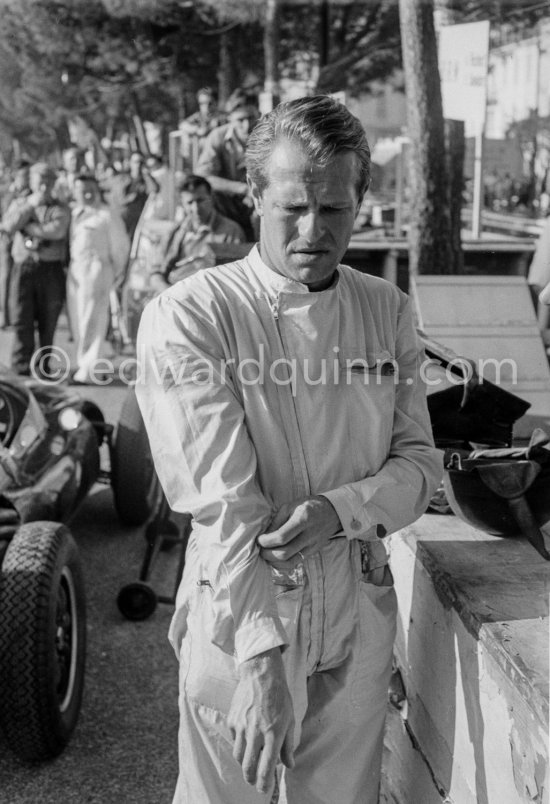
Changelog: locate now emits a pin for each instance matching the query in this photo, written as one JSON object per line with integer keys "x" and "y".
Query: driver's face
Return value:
{"x": 307, "y": 213}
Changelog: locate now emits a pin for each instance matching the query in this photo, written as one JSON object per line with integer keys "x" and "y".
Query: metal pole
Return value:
{"x": 477, "y": 204}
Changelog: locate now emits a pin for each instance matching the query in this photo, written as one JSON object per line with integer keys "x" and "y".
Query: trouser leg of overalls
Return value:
{"x": 339, "y": 753}
{"x": 339, "y": 709}
{"x": 208, "y": 773}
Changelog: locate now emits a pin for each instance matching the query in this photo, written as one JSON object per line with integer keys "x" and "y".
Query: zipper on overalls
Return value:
{"x": 296, "y": 443}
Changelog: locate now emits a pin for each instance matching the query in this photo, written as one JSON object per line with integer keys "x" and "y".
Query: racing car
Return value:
{"x": 51, "y": 442}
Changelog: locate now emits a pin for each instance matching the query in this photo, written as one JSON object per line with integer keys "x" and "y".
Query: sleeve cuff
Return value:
{"x": 257, "y": 637}
{"x": 354, "y": 516}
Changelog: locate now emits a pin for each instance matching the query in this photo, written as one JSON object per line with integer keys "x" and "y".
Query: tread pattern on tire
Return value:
{"x": 37, "y": 550}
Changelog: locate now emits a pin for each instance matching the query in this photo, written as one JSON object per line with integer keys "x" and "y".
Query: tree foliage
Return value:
{"x": 105, "y": 61}
{"x": 108, "y": 60}
{"x": 364, "y": 45}
{"x": 518, "y": 16}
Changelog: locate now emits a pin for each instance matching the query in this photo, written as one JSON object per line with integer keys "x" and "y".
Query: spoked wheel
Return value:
{"x": 137, "y": 601}
{"x": 42, "y": 640}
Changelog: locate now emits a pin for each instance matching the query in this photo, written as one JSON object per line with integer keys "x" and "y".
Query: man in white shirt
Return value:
{"x": 99, "y": 252}
{"x": 282, "y": 399}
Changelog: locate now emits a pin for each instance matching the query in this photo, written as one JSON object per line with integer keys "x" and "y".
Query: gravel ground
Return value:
{"x": 124, "y": 749}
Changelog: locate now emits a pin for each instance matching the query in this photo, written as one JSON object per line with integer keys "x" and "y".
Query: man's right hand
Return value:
{"x": 261, "y": 719}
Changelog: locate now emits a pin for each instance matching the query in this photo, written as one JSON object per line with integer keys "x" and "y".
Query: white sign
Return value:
{"x": 463, "y": 59}
{"x": 339, "y": 96}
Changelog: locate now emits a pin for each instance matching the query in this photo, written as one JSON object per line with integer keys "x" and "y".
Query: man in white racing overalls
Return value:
{"x": 282, "y": 398}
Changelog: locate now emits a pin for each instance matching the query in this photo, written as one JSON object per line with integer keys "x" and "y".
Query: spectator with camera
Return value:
{"x": 40, "y": 228}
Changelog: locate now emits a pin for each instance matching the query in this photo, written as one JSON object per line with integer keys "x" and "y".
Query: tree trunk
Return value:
{"x": 430, "y": 249}
{"x": 227, "y": 70}
{"x": 271, "y": 47}
{"x": 324, "y": 34}
{"x": 455, "y": 149}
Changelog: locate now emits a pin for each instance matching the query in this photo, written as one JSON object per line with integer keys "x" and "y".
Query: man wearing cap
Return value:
{"x": 40, "y": 229}
{"x": 222, "y": 161}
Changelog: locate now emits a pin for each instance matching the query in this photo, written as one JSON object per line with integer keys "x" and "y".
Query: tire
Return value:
{"x": 136, "y": 488}
{"x": 96, "y": 418}
{"x": 42, "y": 640}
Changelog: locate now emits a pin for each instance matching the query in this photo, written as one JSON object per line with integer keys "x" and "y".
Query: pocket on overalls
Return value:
{"x": 289, "y": 593}
{"x": 369, "y": 382}
{"x": 376, "y": 627}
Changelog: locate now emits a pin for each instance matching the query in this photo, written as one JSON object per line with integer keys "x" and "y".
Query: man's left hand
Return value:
{"x": 302, "y": 526}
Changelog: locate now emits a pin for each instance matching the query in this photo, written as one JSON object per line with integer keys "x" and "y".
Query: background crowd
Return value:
{"x": 68, "y": 233}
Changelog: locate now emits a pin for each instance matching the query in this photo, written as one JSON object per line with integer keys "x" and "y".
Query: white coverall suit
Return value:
{"x": 232, "y": 441}
{"x": 99, "y": 253}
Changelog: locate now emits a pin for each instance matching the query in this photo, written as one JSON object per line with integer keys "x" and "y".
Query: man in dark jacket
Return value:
{"x": 40, "y": 229}
{"x": 137, "y": 187}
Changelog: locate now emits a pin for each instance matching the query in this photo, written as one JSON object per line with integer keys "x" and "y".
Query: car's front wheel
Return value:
{"x": 42, "y": 640}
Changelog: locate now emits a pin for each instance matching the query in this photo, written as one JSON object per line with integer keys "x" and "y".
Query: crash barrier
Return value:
{"x": 471, "y": 721}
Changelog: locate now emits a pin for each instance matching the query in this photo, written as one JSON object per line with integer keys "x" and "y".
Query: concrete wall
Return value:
{"x": 474, "y": 662}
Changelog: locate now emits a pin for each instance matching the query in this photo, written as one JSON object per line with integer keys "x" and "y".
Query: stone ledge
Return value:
{"x": 472, "y": 647}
